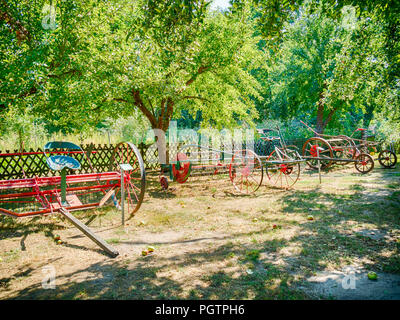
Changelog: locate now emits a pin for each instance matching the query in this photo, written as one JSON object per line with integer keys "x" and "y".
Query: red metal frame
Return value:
{"x": 103, "y": 185}
{"x": 41, "y": 152}
{"x": 44, "y": 195}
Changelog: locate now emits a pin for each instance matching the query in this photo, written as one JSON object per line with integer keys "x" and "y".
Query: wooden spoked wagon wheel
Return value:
{"x": 343, "y": 148}
{"x": 364, "y": 163}
{"x": 387, "y": 159}
{"x": 134, "y": 180}
{"x": 282, "y": 175}
{"x": 314, "y": 146}
{"x": 246, "y": 171}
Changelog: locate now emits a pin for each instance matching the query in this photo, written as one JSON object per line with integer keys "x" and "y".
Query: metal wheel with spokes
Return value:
{"x": 314, "y": 146}
{"x": 387, "y": 159}
{"x": 281, "y": 175}
{"x": 343, "y": 148}
{"x": 134, "y": 180}
{"x": 364, "y": 163}
{"x": 246, "y": 171}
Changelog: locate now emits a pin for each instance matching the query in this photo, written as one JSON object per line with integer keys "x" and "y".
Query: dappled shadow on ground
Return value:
{"x": 228, "y": 269}
{"x": 48, "y": 226}
{"x": 330, "y": 235}
{"x": 258, "y": 275}
{"x": 149, "y": 278}
{"x": 11, "y": 227}
{"x": 22, "y": 272}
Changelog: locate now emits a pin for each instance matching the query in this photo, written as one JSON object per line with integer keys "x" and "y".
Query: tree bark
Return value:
{"x": 320, "y": 118}
{"x": 139, "y": 103}
{"x": 20, "y": 31}
{"x": 321, "y": 122}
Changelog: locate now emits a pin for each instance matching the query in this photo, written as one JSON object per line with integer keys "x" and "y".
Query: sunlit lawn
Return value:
{"x": 211, "y": 243}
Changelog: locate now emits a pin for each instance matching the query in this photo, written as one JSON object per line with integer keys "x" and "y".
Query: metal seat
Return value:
{"x": 59, "y": 162}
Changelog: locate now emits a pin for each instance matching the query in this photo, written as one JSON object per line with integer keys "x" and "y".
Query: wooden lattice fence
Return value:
{"x": 31, "y": 163}
{"x": 15, "y": 164}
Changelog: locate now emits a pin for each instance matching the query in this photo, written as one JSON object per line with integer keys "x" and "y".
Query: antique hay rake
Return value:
{"x": 244, "y": 167}
{"x": 27, "y": 197}
{"x": 340, "y": 149}
{"x": 387, "y": 157}
{"x": 282, "y": 163}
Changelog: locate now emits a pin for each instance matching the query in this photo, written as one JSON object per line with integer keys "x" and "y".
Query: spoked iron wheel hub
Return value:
{"x": 282, "y": 175}
{"x": 246, "y": 171}
{"x": 387, "y": 159}
{"x": 285, "y": 169}
{"x": 364, "y": 163}
{"x": 318, "y": 146}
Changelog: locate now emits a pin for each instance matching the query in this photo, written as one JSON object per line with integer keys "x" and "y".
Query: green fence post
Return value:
{"x": 64, "y": 187}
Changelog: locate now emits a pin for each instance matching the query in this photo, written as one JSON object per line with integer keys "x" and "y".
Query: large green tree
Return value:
{"x": 114, "y": 58}
{"x": 162, "y": 63}
{"x": 38, "y": 40}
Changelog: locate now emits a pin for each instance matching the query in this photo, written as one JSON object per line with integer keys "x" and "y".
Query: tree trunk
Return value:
{"x": 320, "y": 118}
{"x": 321, "y": 122}
{"x": 160, "y": 123}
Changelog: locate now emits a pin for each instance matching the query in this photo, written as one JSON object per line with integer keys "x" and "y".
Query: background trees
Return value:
{"x": 92, "y": 62}
{"x": 36, "y": 60}
{"x": 325, "y": 68}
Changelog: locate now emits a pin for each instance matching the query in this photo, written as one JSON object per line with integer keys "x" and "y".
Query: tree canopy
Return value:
{"x": 117, "y": 56}
{"x": 203, "y": 64}
{"x": 323, "y": 66}
{"x": 74, "y": 65}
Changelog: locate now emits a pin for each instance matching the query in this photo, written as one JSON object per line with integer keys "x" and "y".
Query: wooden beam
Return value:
{"x": 89, "y": 233}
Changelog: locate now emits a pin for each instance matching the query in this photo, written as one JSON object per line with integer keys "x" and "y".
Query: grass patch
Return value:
{"x": 113, "y": 241}
{"x": 213, "y": 243}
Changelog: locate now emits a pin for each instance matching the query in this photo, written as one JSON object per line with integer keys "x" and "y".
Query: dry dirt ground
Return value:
{"x": 211, "y": 243}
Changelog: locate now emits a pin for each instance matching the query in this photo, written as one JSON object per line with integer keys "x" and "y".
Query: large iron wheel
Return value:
{"x": 364, "y": 163}
{"x": 387, "y": 159}
{"x": 310, "y": 148}
{"x": 246, "y": 171}
{"x": 134, "y": 180}
{"x": 282, "y": 175}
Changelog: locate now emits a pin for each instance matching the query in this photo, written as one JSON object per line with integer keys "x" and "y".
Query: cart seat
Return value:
{"x": 57, "y": 163}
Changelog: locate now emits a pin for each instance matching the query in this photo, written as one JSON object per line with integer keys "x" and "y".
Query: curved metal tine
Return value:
{"x": 315, "y": 132}
{"x": 297, "y": 155}
{"x": 279, "y": 153}
{"x": 283, "y": 142}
